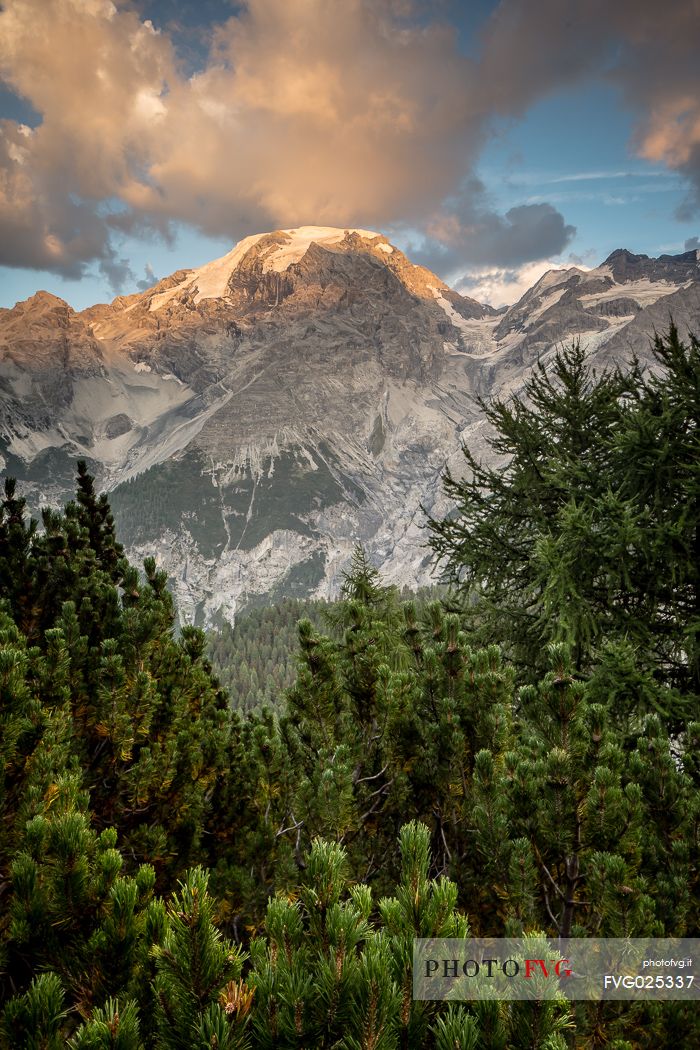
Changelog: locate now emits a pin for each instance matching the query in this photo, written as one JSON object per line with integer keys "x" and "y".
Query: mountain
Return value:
{"x": 254, "y": 418}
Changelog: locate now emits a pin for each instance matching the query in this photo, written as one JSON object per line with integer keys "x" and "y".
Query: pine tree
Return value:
{"x": 657, "y": 456}
{"x": 33, "y": 1021}
{"x": 554, "y": 444}
{"x": 587, "y": 534}
{"x": 149, "y": 721}
{"x": 95, "y": 515}
{"x": 113, "y": 1027}
{"x": 331, "y": 970}
{"x": 16, "y": 538}
{"x": 201, "y": 1001}
{"x": 593, "y": 819}
{"x": 71, "y": 910}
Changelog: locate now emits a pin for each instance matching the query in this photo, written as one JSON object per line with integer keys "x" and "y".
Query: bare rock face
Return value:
{"x": 620, "y": 307}
{"x": 46, "y": 354}
{"x": 256, "y": 417}
{"x": 682, "y": 306}
{"x": 624, "y": 267}
{"x": 44, "y": 338}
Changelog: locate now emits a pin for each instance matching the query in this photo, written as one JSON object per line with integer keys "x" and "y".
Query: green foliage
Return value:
{"x": 33, "y": 1021}
{"x": 553, "y": 440}
{"x": 311, "y": 967}
{"x": 524, "y": 792}
{"x": 387, "y": 774}
{"x": 456, "y": 1030}
{"x": 580, "y": 804}
{"x": 256, "y": 659}
{"x": 197, "y": 998}
{"x": 114, "y": 1027}
{"x": 334, "y": 971}
{"x": 72, "y": 911}
{"x": 588, "y": 532}
{"x": 142, "y": 715}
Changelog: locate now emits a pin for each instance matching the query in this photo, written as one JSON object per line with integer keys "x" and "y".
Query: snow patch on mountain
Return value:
{"x": 645, "y": 292}
{"x": 301, "y": 239}
{"x": 553, "y": 278}
{"x": 211, "y": 281}
{"x": 456, "y": 318}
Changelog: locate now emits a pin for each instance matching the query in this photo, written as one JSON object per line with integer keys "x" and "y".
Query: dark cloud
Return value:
{"x": 149, "y": 280}
{"x": 690, "y": 206}
{"x": 117, "y": 272}
{"x": 136, "y": 224}
{"x": 659, "y": 74}
{"x": 471, "y": 281}
{"x": 472, "y": 236}
{"x": 530, "y": 47}
{"x": 692, "y": 244}
{"x": 41, "y": 227}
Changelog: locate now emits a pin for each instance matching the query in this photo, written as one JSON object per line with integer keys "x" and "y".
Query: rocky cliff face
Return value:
{"x": 255, "y": 418}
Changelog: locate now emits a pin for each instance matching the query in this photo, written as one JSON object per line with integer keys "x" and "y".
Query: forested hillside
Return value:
{"x": 256, "y": 660}
{"x": 521, "y": 757}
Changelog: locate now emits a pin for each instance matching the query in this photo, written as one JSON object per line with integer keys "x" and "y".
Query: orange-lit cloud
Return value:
{"x": 306, "y": 112}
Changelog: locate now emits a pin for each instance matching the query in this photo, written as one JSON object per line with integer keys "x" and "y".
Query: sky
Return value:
{"x": 490, "y": 141}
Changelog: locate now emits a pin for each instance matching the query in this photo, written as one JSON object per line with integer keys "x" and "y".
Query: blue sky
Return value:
{"x": 573, "y": 151}
{"x": 245, "y": 117}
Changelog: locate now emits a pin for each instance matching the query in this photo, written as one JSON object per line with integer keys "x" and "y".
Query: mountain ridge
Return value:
{"x": 256, "y": 417}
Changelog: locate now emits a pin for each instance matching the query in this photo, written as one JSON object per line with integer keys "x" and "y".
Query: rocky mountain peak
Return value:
{"x": 288, "y": 285}
{"x": 624, "y": 266}
{"x": 43, "y": 332}
{"x": 40, "y": 304}
{"x": 260, "y": 253}
{"x": 264, "y": 269}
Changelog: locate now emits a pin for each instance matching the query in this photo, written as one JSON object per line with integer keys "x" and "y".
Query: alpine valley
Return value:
{"x": 257, "y": 417}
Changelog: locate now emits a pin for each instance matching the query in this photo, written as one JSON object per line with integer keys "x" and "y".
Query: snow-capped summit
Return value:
{"x": 276, "y": 251}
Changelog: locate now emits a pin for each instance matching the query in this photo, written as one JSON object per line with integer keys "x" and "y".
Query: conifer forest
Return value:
{"x": 231, "y": 840}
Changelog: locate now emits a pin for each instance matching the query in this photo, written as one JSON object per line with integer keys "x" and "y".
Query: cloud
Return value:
{"x": 361, "y": 113}
{"x": 470, "y": 234}
{"x": 309, "y": 112}
{"x": 659, "y": 74}
{"x": 348, "y": 114}
{"x": 592, "y": 176}
{"x": 501, "y": 287}
{"x": 305, "y": 112}
{"x": 148, "y": 280}
{"x": 117, "y": 272}
{"x": 84, "y": 67}
{"x": 692, "y": 244}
